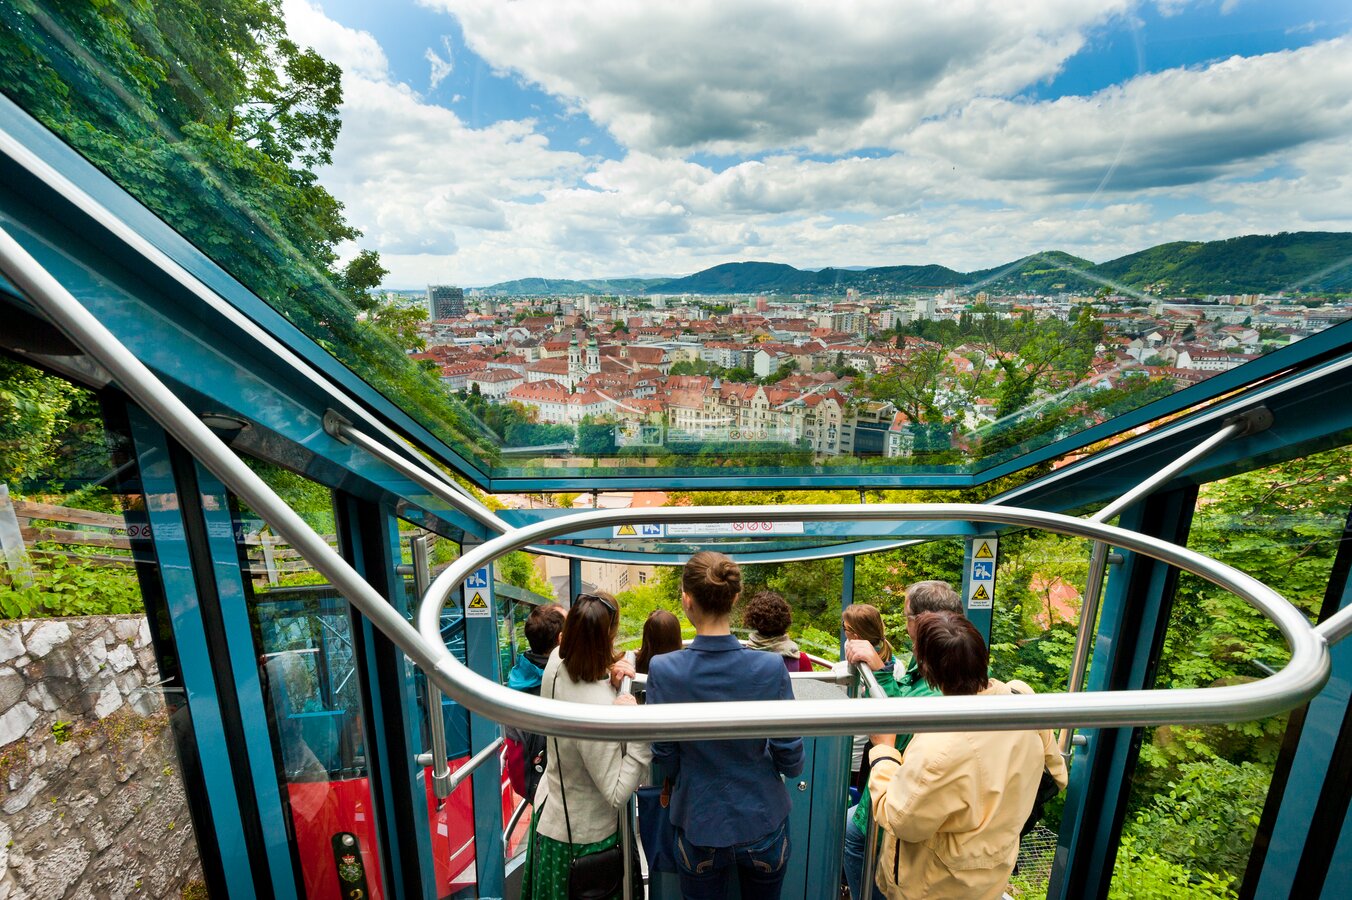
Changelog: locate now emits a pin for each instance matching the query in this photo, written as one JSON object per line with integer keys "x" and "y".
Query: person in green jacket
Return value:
{"x": 865, "y": 642}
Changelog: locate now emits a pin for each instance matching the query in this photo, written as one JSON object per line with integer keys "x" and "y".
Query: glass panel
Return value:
{"x": 229, "y": 127}
{"x": 1038, "y": 594}
{"x": 424, "y": 555}
{"x": 95, "y": 731}
{"x": 522, "y": 581}
{"x": 1199, "y": 790}
{"x": 302, "y": 633}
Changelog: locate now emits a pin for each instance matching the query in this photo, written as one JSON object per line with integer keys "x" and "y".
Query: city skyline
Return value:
{"x": 483, "y": 142}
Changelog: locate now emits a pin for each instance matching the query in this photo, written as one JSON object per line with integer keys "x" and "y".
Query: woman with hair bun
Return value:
{"x": 729, "y": 805}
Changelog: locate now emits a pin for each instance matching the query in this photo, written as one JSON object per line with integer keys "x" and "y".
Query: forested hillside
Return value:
{"x": 1298, "y": 261}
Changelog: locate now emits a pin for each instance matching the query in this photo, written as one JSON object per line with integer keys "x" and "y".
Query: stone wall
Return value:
{"x": 92, "y": 804}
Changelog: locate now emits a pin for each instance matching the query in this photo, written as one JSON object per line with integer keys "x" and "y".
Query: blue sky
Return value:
{"x": 585, "y": 138}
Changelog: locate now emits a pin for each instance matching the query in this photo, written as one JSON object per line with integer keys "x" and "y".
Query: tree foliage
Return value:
{"x": 212, "y": 117}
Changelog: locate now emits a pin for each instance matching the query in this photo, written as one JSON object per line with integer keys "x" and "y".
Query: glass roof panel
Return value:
{"x": 993, "y": 238}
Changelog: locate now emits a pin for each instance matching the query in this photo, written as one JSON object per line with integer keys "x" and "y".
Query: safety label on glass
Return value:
{"x": 478, "y": 595}
{"x": 981, "y": 574}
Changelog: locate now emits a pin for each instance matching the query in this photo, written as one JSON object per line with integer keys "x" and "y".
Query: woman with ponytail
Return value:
{"x": 729, "y": 805}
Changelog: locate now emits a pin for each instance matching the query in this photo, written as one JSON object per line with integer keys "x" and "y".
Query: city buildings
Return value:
{"x": 445, "y": 302}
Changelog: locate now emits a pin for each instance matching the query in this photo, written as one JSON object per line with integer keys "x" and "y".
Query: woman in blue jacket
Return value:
{"x": 729, "y": 805}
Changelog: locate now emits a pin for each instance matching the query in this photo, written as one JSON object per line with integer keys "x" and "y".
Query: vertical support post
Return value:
{"x": 230, "y": 620}
{"x": 269, "y": 544}
{"x": 574, "y": 581}
{"x": 187, "y": 578}
{"x": 370, "y": 541}
{"x": 481, "y": 654}
{"x": 1132, "y": 623}
{"x": 15, "y": 554}
{"x": 846, "y": 593}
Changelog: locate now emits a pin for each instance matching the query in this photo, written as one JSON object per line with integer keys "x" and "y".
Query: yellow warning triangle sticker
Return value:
{"x": 980, "y": 593}
{"x": 478, "y": 601}
{"x": 627, "y": 530}
{"x": 984, "y": 551}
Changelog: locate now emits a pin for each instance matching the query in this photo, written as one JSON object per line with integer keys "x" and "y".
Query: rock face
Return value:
{"x": 91, "y": 800}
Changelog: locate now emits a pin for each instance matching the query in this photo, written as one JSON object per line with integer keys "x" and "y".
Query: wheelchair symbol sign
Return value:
{"x": 983, "y": 570}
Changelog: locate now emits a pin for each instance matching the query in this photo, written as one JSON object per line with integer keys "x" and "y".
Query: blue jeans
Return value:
{"x": 854, "y": 860}
{"x": 761, "y": 865}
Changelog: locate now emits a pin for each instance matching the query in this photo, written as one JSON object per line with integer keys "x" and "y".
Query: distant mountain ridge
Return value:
{"x": 1290, "y": 261}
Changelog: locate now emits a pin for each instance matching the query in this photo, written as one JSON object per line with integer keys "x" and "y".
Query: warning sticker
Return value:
{"x": 981, "y": 574}
{"x": 476, "y": 607}
{"x": 641, "y": 530}
{"x": 478, "y": 594}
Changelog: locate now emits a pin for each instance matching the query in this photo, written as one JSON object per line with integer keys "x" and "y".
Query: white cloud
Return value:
{"x": 1177, "y": 127}
{"x": 671, "y": 75}
{"x": 357, "y": 52}
{"x": 975, "y": 176}
{"x": 441, "y": 68}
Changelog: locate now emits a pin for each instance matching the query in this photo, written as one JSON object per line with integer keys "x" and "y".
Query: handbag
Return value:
{"x": 654, "y": 827}
{"x": 595, "y": 876}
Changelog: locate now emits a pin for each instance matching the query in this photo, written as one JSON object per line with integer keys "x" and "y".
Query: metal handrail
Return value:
{"x": 1297, "y": 682}
{"x": 459, "y": 775}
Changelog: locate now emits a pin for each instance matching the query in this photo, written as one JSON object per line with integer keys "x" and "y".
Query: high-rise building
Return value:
{"x": 445, "y": 301}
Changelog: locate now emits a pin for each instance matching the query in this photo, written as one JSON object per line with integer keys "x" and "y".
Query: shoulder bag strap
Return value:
{"x": 558, "y": 767}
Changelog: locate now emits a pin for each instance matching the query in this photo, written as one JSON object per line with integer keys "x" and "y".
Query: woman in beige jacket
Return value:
{"x": 951, "y": 809}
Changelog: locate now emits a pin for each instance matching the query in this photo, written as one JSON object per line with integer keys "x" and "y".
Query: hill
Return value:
{"x": 1294, "y": 261}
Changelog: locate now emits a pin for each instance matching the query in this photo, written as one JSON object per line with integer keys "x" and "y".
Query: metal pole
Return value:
{"x": 427, "y": 477}
{"x": 512, "y": 822}
{"x": 478, "y": 759}
{"x": 1337, "y": 626}
{"x": 869, "y": 874}
{"x": 627, "y": 845}
{"x": 1245, "y": 423}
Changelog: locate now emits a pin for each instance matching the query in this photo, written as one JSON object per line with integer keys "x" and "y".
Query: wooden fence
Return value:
{"x": 33, "y": 532}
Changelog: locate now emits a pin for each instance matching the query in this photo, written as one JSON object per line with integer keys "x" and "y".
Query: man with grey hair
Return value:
{"x": 921, "y": 597}
{"x": 932, "y": 596}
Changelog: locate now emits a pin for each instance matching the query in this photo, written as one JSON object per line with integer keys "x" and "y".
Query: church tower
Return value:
{"x": 593, "y": 357}
{"x": 575, "y": 371}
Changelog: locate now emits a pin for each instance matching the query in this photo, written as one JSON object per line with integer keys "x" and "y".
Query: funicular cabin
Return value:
{"x": 270, "y": 543}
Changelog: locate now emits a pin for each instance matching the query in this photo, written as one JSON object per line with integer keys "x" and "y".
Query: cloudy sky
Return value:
{"x": 485, "y": 140}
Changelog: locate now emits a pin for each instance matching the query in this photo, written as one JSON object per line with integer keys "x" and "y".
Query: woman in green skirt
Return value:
{"x": 585, "y": 783}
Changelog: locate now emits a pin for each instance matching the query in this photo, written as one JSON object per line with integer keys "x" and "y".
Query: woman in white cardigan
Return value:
{"x": 593, "y": 779}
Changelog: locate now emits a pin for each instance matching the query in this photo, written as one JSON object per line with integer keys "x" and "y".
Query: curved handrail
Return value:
{"x": 1298, "y": 681}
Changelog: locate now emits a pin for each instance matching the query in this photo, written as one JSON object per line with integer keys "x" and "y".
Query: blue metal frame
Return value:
{"x": 194, "y": 659}
{"x": 248, "y": 685}
{"x": 371, "y": 543}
